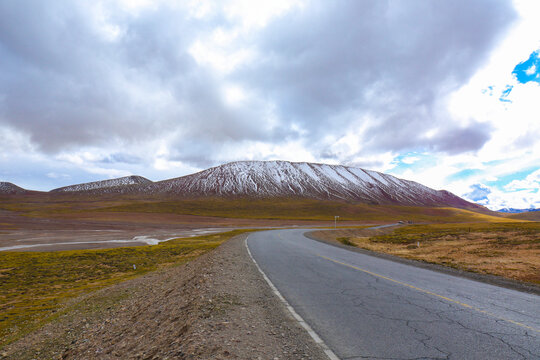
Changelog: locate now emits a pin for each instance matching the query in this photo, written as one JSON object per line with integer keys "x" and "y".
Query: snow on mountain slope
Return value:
{"x": 264, "y": 179}
{"x": 516, "y": 211}
{"x": 105, "y": 185}
{"x": 9, "y": 188}
{"x": 268, "y": 179}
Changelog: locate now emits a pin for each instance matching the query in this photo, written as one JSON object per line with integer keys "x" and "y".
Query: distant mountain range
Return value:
{"x": 516, "y": 211}
{"x": 103, "y": 185}
{"x": 281, "y": 179}
{"x": 9, "y": 188}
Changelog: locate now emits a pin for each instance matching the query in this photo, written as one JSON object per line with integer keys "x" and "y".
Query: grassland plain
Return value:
{"x": 530, "y": 216}
{"x": 35, "y": 286}
{"x": 300, "y": 209}
{"x": 46, "y": 205}
{"x": 507, "y": 249}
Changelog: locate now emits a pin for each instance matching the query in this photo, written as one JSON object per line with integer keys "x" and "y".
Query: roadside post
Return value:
{"x": 335, "y": 221}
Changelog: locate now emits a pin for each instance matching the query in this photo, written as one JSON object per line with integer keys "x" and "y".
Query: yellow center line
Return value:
{"x": 429, "y": 293}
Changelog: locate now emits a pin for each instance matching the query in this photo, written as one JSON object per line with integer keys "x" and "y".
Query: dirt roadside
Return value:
{"x": 358, "y": 241}
{"x": 215, "y": 307}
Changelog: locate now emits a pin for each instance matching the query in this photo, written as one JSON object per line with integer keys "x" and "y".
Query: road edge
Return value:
{"x": 331, "y": 355}
{"x": 485, "y": 278}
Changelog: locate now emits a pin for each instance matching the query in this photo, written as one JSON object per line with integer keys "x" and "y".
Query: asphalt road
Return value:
{"x": 367, "y": 307}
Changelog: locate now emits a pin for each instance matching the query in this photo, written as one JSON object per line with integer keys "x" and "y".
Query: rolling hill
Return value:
{"x": 9, "y": 188}
{"x": 105, "y": 186}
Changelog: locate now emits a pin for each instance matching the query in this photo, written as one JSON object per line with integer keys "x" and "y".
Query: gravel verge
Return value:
{"x": 217, "y": 306}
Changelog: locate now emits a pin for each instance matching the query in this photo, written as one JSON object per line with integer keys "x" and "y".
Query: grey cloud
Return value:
{"x": 319, "y": 71}
{"x": 525, "y": 140}
{"x": 66, "y": 86}
{"x": 459, "y": 139}
{"x": 366, "y": 164}
{"x": 208, "y": 117}
{"x": 121, "y": 158}
{"x": 407, "y": 130}
{"x": 60, "y": 85}
{"x": 332, "y": 62}
{"x": 328, "y": 154}
{"x": 198, "y": 154}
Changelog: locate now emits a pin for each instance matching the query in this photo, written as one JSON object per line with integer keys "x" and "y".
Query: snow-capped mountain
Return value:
{"x": 516, "y": 211}
{"x": 105, "y": 185}
{"x": 262, "y": 179}
{"x": 281, "y": 179}
{"x": 9, "y": 188}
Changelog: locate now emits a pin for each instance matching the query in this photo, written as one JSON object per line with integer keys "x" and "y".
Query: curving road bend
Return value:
{"x": 365, "y": 307}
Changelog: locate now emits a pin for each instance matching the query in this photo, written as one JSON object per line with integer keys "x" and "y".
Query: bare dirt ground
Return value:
{"x": 109, "y": 230}
{"x": 57, "y": 240}
{"x": 215, "y": 307}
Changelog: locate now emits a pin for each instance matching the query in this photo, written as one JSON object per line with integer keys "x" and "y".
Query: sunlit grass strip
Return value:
{"x": 301, "y": 209}
{"x": 510, "y": 250}
{"x": 414, "y": 233}
{"x": 35, "y": 285}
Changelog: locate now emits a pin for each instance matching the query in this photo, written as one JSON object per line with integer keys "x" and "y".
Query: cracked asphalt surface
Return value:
{"x": 365, "y": 307}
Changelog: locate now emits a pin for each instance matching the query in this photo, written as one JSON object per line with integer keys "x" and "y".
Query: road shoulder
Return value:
{"x": 486, "y": 278}
{"x": 215, "y": 307}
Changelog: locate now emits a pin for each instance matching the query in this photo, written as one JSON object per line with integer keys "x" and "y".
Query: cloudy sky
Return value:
{"x": 446, "y": 93}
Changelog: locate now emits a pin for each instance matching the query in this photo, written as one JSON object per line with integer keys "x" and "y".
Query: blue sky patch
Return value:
{"x": 528, "y": 70}
{"x": 488, "y": 90}
{"x": 505, "y": 93}
{"x": 411, "y": 160}
{"x": 493, "y": 162}
{"x": 463, "y": 174}
{"x": 506, "y": 179}
{"x": 478, "y": 193}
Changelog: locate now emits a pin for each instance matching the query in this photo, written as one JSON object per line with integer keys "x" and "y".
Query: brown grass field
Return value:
{"x": 90, "y": 207}
{"x": 510, "y": 250}
{"x": 529, "y": 216}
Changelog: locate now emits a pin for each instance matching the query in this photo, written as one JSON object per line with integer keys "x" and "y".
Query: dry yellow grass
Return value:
{"x": 508, "y": 250}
